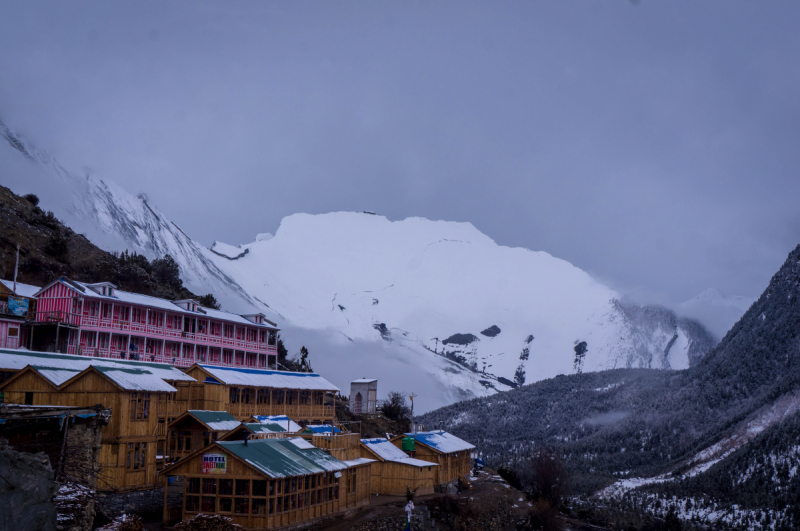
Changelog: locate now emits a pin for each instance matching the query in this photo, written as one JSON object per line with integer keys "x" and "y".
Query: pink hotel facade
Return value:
{"x": 101, "y": 321}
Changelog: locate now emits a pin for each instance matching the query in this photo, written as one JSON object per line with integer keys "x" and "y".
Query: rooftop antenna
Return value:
{"x": 16, "y": 267}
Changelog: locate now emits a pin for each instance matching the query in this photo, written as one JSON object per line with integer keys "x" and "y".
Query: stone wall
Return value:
{"x": 26, "y": 490}
{"x": 113, "y": 504}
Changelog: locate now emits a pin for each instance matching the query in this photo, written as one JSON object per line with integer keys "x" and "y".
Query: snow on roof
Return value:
{"x": 302, "y": 443}
{"x": 136, "y": 379}
{"x": 281, "y": 420}
{"x": 23, "y": 290}
{"x": 387, "y": 451}
{"x": 216, "y": 420}
{"x": 359, "y": 461}
{"x": 323, "y": 428}
{"x": 365, "y": 380}
{"x": 282, "y": 458}
{"x": 265, "y": 378}
{"x": 441, "y": 440}
{"x": 58, "y": 368}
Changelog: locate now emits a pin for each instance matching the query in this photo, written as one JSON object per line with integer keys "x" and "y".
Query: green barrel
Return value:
{"x": 408, "y": 444}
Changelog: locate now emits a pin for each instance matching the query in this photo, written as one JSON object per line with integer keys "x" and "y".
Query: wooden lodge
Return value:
{"x": 196, "y": 429}
{"x": 394, "y": 471}
{"x": 453, "y": 455}
{"x": 100, "y": 320}
{"x": 267, "y": 483}
{"x": 17, "y": 305}
{"x": 341, "y": 445}
{"x": 247, "y": 393}
{"x": 146, "y": 397}
{"x": 140, "y": 396}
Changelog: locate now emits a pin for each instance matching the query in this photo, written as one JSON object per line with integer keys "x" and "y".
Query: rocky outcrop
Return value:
{"x": 27, "y": 488}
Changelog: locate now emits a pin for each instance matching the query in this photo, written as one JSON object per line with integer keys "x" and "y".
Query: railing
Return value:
{"x": 60, "y": 317}
{"x": 293, "y": 411}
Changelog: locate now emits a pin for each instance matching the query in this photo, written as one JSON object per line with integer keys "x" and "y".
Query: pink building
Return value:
{"x": 101, "y": 321}
{"x": 17, "y": 305}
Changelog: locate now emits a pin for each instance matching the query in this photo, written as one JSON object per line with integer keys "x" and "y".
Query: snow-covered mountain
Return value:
{"x": 717, "y": 311}
{"x": 433, "y": 307}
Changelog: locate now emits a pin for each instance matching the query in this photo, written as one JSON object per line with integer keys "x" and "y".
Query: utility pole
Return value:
{"x": 16, "y": 268}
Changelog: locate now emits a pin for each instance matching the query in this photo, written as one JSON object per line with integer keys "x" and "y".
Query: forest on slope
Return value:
{"x": 639, "y": 423}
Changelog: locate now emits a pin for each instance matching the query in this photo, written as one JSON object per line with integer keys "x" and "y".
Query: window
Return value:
{"x": 262, "y": 396}
{"x": 28, "y": 398}
{"x": 277, "y": 397}
{"x": 234, "y": 395}
{"x": 140, "y": 406}
{"x": 192, "y": 504}
{"x": 136, "y": 457}
{"x": 305, "y": 398}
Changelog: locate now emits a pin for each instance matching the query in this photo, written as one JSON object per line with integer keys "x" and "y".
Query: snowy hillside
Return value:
{"x": 719, "y": 312}
{"x": 433, "y": 307}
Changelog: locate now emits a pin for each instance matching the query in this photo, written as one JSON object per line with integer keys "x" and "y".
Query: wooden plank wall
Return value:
{"x": 358, "y": 495}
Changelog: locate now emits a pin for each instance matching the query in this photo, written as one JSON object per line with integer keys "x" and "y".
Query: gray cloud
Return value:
{"x": 654, "y": 145}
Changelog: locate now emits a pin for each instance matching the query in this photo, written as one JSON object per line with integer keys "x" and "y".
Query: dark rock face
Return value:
{"x": 460, "y": 339}
{"x": 492, "y": 331}
{"x": 26, "y": 490}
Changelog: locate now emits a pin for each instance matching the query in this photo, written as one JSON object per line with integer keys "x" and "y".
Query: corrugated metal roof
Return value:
{"x": 129, "y": 375}
{"x": 136, "y": 379}
{"x": 23, "y": 290}
{"x": 389, "y": 452}
{"x": 323, "y": 428}
{"x": 19, "y": 359}
{"x": 275, "y": 379}
{"x": 164, "y": 304}
{"x": 279, "y": 458}
{"x": 216, "y": 420}
{"x": 385, "y": 449}
{"x": 359, "y": 461}
{"x": 265, "y": 428}
{"x": 441, "y": 440}
{"x": 281, "y": 420}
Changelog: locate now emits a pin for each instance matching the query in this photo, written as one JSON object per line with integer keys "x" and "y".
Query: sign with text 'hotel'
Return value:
{"x": 214, "y": 463}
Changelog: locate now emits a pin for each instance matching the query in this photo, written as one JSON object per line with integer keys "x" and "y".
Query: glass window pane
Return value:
{"x": 259, "y": 506}
{"x": 259, "y": 488}
{"x": 208, "y": 504}
{"x": 225, "y": 505}
{"x": 225, "y": 487}
{"x": 209, "y": 486}
{"x": 193, "y": 485}
{"x": 240, "y": 506}
{"x": 192, "y": 503}
{"x": 243, "y": 487}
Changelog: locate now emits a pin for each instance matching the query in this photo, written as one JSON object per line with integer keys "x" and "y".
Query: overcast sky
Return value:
{"x": 654, "y": 144}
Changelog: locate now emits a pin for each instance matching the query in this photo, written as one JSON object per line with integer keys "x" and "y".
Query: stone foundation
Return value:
{"x": 113, "y": 504}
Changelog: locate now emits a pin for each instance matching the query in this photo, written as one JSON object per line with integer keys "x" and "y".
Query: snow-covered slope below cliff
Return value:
{"x": 503, "y": 314}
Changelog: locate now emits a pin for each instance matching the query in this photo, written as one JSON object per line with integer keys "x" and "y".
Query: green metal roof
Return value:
{"x": 216, "y": 420}
{"x": 278, "y": 458}
{"x": 265, "y": 428}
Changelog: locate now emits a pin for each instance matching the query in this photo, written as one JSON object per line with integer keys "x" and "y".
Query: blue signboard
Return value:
{"x": 18, "y": 306}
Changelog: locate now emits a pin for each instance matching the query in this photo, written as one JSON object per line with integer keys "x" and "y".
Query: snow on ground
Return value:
{"x": 756, "y": 423}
